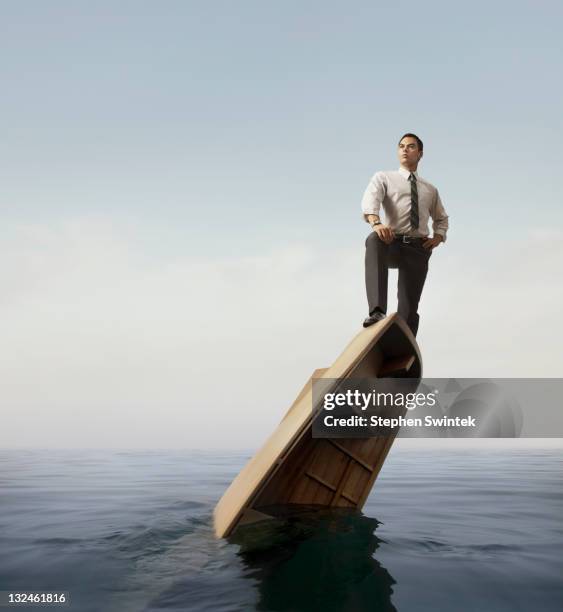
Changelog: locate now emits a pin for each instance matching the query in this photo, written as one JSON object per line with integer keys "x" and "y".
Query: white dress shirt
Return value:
{"x": 392, "y": 190}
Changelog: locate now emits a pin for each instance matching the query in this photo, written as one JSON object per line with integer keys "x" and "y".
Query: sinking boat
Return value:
{"x": 293, "y": 468}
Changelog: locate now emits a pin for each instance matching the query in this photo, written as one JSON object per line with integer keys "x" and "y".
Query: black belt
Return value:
{"x": 408, "y": 239}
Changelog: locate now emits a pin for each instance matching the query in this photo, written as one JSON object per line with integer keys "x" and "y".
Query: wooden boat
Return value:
{"x": 293, "y": 467}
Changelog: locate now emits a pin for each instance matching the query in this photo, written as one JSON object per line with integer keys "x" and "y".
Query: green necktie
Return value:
{"x": 414, "y": 202}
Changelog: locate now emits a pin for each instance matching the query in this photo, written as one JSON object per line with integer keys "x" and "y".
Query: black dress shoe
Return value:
{"x": 374, "y": 318}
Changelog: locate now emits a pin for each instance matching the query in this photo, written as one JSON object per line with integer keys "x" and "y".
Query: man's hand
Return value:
{"x": 384, "y": 232}
{"x": 433, "y": 242}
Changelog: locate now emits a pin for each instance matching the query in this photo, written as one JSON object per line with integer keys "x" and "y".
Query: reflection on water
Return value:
{"x": 133, "y": 531}
{"x": 316, "y": 560}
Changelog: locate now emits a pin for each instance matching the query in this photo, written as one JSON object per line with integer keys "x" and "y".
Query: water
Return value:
{"x": 131, "y": 531}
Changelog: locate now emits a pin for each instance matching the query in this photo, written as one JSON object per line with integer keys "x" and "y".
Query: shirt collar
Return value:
{"x": 404, "y": 172}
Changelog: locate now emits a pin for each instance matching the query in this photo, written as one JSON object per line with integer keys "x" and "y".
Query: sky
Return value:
{"x": 181, "y": 241}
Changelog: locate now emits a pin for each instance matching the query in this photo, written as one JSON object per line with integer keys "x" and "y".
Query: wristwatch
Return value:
{"x": 376, "y": 223}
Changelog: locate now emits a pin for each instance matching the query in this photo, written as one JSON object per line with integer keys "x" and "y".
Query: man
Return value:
{"x": 403, "y": 241}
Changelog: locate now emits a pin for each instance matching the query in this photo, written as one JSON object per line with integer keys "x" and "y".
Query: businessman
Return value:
{"x": 401, "y": 240}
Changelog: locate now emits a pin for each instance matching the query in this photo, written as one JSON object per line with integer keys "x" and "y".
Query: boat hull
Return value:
{"x": 292, "y": 467}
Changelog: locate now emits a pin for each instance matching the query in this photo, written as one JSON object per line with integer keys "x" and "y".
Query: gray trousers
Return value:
{"x": 412, "y": 261}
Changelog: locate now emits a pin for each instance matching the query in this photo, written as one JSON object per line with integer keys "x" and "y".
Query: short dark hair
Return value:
{"x": 418, "y": 141}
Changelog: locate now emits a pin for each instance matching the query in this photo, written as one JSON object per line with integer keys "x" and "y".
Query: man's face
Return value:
{"x": 409, "y": 153}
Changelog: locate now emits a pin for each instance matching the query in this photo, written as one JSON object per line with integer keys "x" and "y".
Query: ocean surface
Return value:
{"x": 447, "y": 530}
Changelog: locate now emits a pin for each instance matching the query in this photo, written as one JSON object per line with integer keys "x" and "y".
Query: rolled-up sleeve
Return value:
{"x": 374, "y": 195}
{"x": 440, "y": 223}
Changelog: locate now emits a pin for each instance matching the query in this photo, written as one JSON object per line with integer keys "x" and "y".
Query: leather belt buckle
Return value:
{"x": 406, "y": 239}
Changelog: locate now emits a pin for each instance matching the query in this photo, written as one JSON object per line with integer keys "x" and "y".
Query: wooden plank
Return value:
{"x": 356, "y": 483}
{"x": 320, "y": 480}
{"x": 350, "y": 454}
{"x": 342, "y": 483}
{"x": 396, "y": 366}
{"x": 386, "y": 442}
{"x": 306, "y": 387}
{"x": 352, "y": 500}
